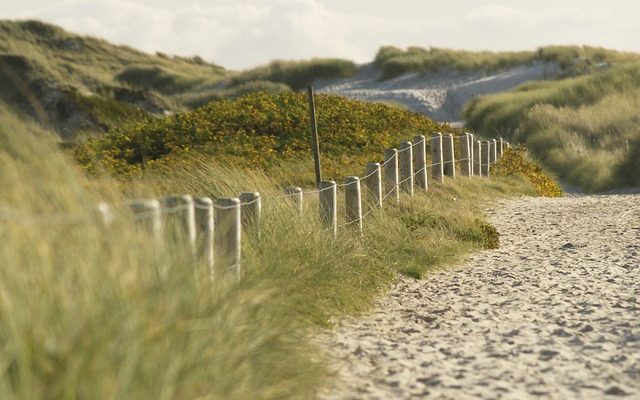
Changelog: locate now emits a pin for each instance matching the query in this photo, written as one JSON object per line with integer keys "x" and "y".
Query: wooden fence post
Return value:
{"x": 251, "y": 212}
{"x": 477, "y": 158}
{"x": 295, "y": 195}
{"x": 493, "y": 150}
{"x": 374, "y": 183}
{"x": 420, "y": 161}
{"x": 472, "y": 155}
{"x": 147, "y": 215}
{"x": 500, "y": 148}
{"x": 465, "y": 159}
{"x": 437, "y": 169}
{"x": 353, "y": 202}
{"x": 315, "y": 143}
{"x": 486, "y": 159}
{"x": 105, "y": 214}
{"x": 228, "y": 236}
{"x": 449, "y": 163}
{"x": 329, "y": 206}
{"x": 405, "y": 162}
{"x": 391, "y": 177}
{"x": 204, "y": 232}
{"x": 179, "y": 216}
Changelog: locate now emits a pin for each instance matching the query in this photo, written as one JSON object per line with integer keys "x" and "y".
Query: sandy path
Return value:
{"x": 554, "y": 313}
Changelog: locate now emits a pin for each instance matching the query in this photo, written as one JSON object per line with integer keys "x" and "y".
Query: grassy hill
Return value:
{"x": 573, "y": 60}
{"x": 585, "y": 129}
{"x": 84, "y": 84}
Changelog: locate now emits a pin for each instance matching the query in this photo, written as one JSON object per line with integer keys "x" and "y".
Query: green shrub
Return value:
{"x": 516, "y": 161}
{"x": 261, "y": 129}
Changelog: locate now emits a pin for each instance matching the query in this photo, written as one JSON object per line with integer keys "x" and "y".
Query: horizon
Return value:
{"x": 246, "y": 33}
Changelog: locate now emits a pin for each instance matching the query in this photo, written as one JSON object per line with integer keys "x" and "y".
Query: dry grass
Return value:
{"x": 90, "y": 312}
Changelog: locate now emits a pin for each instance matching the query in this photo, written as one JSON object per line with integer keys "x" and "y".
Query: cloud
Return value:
{"x": 238, "y": 34}
{"x": 244, "y": 33}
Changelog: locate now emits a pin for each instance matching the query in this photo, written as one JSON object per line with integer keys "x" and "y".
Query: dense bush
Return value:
{"x": 260, "y": 129}
{"x": 516, "y": 161}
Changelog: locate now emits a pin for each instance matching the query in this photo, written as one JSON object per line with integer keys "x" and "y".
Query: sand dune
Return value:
{"x": 439, "y": 95}
{"x": 553, "y": 314}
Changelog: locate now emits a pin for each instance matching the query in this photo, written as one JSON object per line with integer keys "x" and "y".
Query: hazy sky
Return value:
{"x": 243, "y": 33}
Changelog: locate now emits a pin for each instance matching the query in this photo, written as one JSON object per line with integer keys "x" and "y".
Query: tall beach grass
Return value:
{"x": 88, "y": 311}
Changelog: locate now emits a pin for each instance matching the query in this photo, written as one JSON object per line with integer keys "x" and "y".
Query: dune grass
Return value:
{"x": 583, "y": 129}
{"x": 573, "y": 60}
{"x": 88, "y": 311}
{"x": 89, "y": 63}
{"x": 297, "y": 74}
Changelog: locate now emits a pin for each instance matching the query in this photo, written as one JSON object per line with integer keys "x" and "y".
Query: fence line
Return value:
{"x": 213, "y": 229}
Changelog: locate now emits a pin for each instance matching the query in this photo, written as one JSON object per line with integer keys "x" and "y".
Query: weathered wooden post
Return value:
{"x": 472, "y": 155}
{"x": 437, "y": 169}
{"x": 405, "y": 162}
{"x": 477, "y": 158}
{"x": 329, "y": 206}
{"x": 465, "y": 159}
{"x": 294, "y": 194}
{"x": 204, "y": 232}
{"x": 179, "y": 216}
{"x": 486, "y": 159}
{"x": 353, "y": 202}
{"x": 449, "y": 156}
{"x": 374, "y": 183}
{"x": 251, "y": 211}
{"x": 147, "y": 215}
{"x": 420, "y": 161}
{"x": 228, "y": 236}
{"x": 391, "y": 176}
{"x": 105, "y": 214}
{"x": 315, "y": 143}
{"x": 500, "y": 149}
{"x": 493, "y": 151}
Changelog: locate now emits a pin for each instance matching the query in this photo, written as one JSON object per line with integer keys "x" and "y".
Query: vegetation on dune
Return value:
{"x": 200, "y": 98}
{"x": 516, "y": 161}
{"x": 89, "y": 63}
{"x": 584, "y": 129}
{"x": 393, "y": 61}
{"x": 88, "y": 311}
{"x": 261, "y": 129}
{"x": 298, "y": 74}
{"x": 573, "y": 60}
{"x": 44, "y": 69}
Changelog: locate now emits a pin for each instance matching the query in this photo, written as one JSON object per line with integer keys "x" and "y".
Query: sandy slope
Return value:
{"x": 438, "y": 95}
{"x": 554, "y": 313}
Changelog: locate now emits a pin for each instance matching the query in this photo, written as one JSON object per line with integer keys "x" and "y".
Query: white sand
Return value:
{"x": 438, "y": 95}
{"x": 554, "y": 313}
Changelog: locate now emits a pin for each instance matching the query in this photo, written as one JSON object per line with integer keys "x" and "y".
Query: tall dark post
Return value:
{"x": 314, "y": 137}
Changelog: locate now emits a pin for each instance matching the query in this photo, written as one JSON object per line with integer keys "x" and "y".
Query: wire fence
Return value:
{"x": 232, "y": 214}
